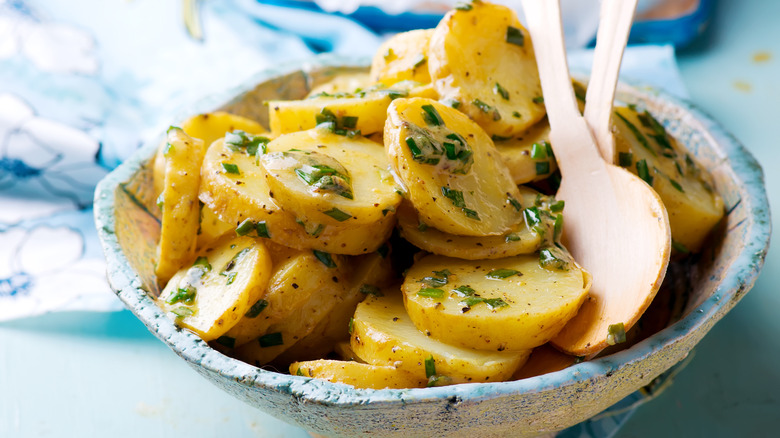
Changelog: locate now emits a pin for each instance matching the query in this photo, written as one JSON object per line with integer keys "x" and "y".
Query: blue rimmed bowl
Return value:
{"x": 550, "y": 402}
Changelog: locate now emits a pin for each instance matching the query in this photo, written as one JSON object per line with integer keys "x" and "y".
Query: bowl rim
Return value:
{"x": 736, "y": 280}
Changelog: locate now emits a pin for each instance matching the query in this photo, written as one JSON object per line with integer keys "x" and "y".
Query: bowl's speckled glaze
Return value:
{"x": 518, "y": 408}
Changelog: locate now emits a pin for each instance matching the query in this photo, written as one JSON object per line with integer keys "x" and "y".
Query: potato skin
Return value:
{"x": 359, "y": 375}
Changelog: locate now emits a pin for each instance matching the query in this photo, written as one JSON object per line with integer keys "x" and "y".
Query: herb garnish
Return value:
{"x": 325, "y": 258}
{"x": 337, "y": 214}
{"x": 643, "y": 172}
{"x": 515, "y": 36}
{"x": 226, "y": 341}
{"x": 501, "y": 91}
{"x": 431, "y": 116}
{"x": 625, "y": 159}
{"x": 503, "y": 273}
{"x": 370, "y": 289}
{"x": 256, "y": 308}
{"x": 270, "y": 340}
{"x": 485, "y": 108}
{"x": 230, "y": 168}
{"x": 182, "y": 295}
{"x": 430, "y": 292}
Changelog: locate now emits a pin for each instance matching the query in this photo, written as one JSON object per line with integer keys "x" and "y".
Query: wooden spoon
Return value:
{"x": 616, "y": 226}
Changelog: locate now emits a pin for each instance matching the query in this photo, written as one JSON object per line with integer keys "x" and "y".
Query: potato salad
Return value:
{"x": 396, "y": 228}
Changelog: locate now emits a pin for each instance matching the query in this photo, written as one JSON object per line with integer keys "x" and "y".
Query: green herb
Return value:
{"x": 495, "y": 137}
{"x": 262, "y": 229}
{"x": 169, "y": 149}
{"x": 616, "y": 334}
{"x": 451, "y": 102}
{"x": 500, "y": 274}
{"x": 515, "y": 36}
{"x": 428, "y": 148}
{"x": 538, "y": 99}
{"x": 485, "y": 108}
{"x": 625, "y": 159}
{"x": 558, "y": 206}
{"x": 256, "y": 309}
{"x": 455, "y": 196}
{"x": 227, "y": 341}
{"x": 501, "y": 91}
{"x": 538, "y": 151}
{"x": 515, "y": 203}
{"x": 203, "y": 262}
{"x": 440, "y": 279}
{"x": 676, "y": 185}
{"x": 388, "y": 210}
{"x": 464, "y": 7}
{"x": 422, "y": 226}
{"x": 549, "y": 148}
{"x": 253, "y": 145}
{"x": 516, "y": 114}
{"x": 465, "y": 291}
{"x": 679, "y": 247}
{"x": 315, "y": 232}
{"x": 558, "y": 227}
{"x": 430, "y": 292}
{"x": 230, "y": 277}
{"x": 183, "y": 295}
{"x": 431, "y": 116}
{"x": 182, "y": 312}
{"x": 326, "y": 178}
{"x": 230, "y": 168}
{"x": 325, "y": 258}
{"x": 532, "y": 217}
{"x": 270, "y": 340}
{"x": 383, "y": 250}
{"x": 349, "y": 122}
{"x": 160, "y": 201}
{"x": 370, "y": 289}
{"x": 344, "y": 125}
{"x": 512, "y": 237}
{"x": 637, "y": 133}
{"x": 550, "y": 261}
{"x": 419, "y": 60}
{"x": 542, "y": 168}
{"x": 351, "y": 326}
{"x": 430, "y": 367}
{"x": 245, "y": 227}
{"x": 471, "y": 214}
{"x": 232, "y": 263}
{"x": 337, "y": 214}
{"x": 299, "y": 372}
{"x": 643, "y": 172}
{"x": 494, "y": 303}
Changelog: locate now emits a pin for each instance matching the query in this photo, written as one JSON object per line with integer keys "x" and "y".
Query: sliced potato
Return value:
{"x": 524, "y": 237}
{"x": 342, "y": 83}
{"x": 453, "y": 174}
{"x": 484, "y": 59}
{"x": 296, "y": 278}
{"x": 504, "y": 304}
{"x": 324, "y": 178}
{"x": 210, "y": 297}
{"x": 383, "y": 334}
{"x": 529, "y": 155}
{"x": 241, "y": 194}
{"x": 403, "y": 57}
{"x": 370, "y": 273}
{"x": 179, "y": 203}
{"x": 359, "y": 375}
{"x": 645, "y": 149}
{"x": 344, "y": 351}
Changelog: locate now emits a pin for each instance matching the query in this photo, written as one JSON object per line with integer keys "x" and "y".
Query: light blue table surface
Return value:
{"x": 104, "y": 375}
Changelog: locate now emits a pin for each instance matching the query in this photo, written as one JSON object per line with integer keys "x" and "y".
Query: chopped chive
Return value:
{"x": 226, "y": 341}
{"x": 256, "y": 309}
{"x": 465, "y": 291}
{"x": 616, "y": 334}
{"x": 431, "y": 116}
{"x": 455, "y": 196}
{"x": 182, "y": 312}
{"x": 231, "y": 276}
{"x": 485, "y": 108}
{"x": 512, "y": 237}
{"x": 516, "y": 114}
{"x": 337, "y": 214}
{"x": 451, "y": 102}
{"x": 515, "y": 203}
{"x": 160, "y": 201}
{"x": 230, "y": 168}
{"x": 501, "y": 91}
{"x": 299, "y": 372}
{"x": 416, "y": 152}
{"x": 558, "y": 227}
{"x": 464, "y": 7}
{"x": 471, "y": 301}
{"x": 549, "y": 148}
{"x": 422, "y": 226}
{"x": 370, "y": 289}
{"x": 169, "y": 149}
{"x": 419, "y": 60}
{"x": 625, "y": 159}
{"x": 558, "y": 206}
{"x": 349, "y": 122}
{"x": 471, "y": 214}
{"x": 203, "y": 262}
{"x": 262, "y": 229}
{"x": 538, "y": 151}
{"x": 325, "y": 258}
{"x": 542, "y": 168}
{"x": 502, "y": 273}
{"x": 431, "y": 292}
{"x": 183, "y": 295}
{"x": 548, "y": 260}
{"x": 435, "y": 281}
{"x": 532, "y": 217}
{"x": 270, "y": 340}
{"x": 351, "y": 326}
{"x": 676, "y": 185}
{"x": 643, "y": 171}
{"x": 637, "y": 133}
{"x": 494, "y": 303}
{"x": 515, "y": 36}
{"x": 430, "y": 367}
{"x": 679, "y": 247}
{"x": 538, "y": 99}
{"x": 495, "y": 137}
{"x": 245, "y": 227}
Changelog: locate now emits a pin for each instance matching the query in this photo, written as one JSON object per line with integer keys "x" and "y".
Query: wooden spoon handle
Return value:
{"x": 614, "y": 26}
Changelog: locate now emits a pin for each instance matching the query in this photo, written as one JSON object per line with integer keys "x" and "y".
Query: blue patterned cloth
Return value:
{"x": 84, "y": 82}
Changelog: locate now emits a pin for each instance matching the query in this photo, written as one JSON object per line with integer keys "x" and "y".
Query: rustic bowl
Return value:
{"x": 525, "y": 407}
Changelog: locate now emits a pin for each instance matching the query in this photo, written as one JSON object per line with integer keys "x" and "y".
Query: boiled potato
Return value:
{"x": 179, "y": 203}
{"x": 524, "y": 237}
{"x": 342, "y": 83}
{"x": 453, "y": 174}
{"x": 647, "y": 150}
{"x": 234, "y": 186}
{"x": 369, "y": 273}
{"x": 403, "y": 57}
{"x": 325, "y": 178}
{"x": 505, "y": 304}
{"x": 529, "y": 156}
{"x": 359, "y": 375}
{"x": 219, "y": 288}
{"x": 483, "y": 58}
{"x": 383, "y": 334}
{"x": 296, "y": 278}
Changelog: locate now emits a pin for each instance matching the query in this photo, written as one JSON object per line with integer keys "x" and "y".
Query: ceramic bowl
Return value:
{"x": 525, "y": 407}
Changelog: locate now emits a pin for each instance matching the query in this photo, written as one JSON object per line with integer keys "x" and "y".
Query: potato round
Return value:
{"x": 359, "y": 375}
{"x": 324, "y": 178}
{"x": 211, "y": 296}
{"x": 403, "y": 57}
{"x": 504, "y": 304}
{"x": 383, "y": 334}
{"x": 179, "y": 202}
{"x": 483, "y": 58}
{"x": 469, "y": 195}
{"x": 241, "y": 196}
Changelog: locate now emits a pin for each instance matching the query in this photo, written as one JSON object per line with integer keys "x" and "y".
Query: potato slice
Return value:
{"x": 529, "y": 156}
{"x": 525, "y": 237}
{"x": 505, "y": 304}
{"x": 383, "y": 334}
{"x": 483, "y": 58}
{"x": 297, "y": 277}
{"x": 240, "y": 195}
{"x": 210, "y": 297}
{"x": 647, "y": 150}
{"x": 324, "y": 178}
{"x": 403, "y": 57}
{"x": 342, "y": 83}
{"x": 179, "y": 203}
{"x": 453, "y": 174}
{"x": 359, "y": 375}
